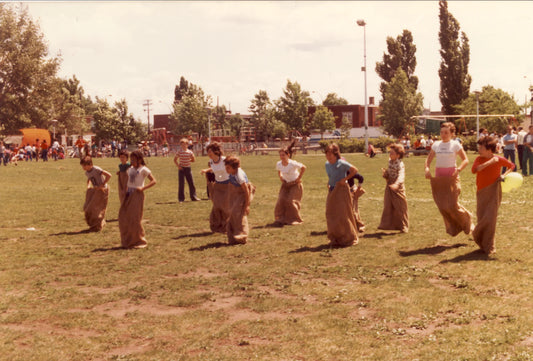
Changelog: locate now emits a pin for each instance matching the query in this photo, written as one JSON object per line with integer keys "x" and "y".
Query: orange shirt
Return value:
{"x": 489, "y": 175}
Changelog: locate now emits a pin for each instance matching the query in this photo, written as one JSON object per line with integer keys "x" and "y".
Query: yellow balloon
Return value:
{"x": 512, "y": 181}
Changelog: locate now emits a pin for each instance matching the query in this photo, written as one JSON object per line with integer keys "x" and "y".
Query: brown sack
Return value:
{"x": 358, "y": 220}
{"x": 95, "y": 207}
{"x": 488, "y": 203}
{"x": 122, "y": 185}
{"x": 446, "y": 191}
{"x": 218, "y": 192}
{"x": 237, "y": 226}
{"x": 340, "y": 217}
{"x": 287, "y": 209}
{"x": 395, "y": 216}
{"x": 130, "y": 217}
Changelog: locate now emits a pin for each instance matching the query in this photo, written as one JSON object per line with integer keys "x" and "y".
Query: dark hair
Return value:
{"x": 215, "y": 148}
{"x": 87, "y": 160}
{"x": 288, "y": 149}
{"x": 448, "y": 125}
{"x": 334, "y": 149}
{"x": 123, "y": 152}
{"x": 139, "y": 155}
{"x": 490, "y": 143}
{"x": 398, "y": 149}
{"x": 233, "y": 162}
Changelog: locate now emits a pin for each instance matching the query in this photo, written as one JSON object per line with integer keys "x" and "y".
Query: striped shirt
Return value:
{"x": 185, "y": 157}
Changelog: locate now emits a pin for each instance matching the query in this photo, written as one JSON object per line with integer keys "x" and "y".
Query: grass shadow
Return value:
{"x": 430, "y": 250}
{"x": 108, "y": 249}
{"x": 377, "y": 235}
{"x": 194, "y": 235}
{"x": 174, "y": 202}
{"x": 322, "y": 247}
{"x": 317, "y": 233}
{"x": 269, "y": 225}
{"x": 111, "y": 220}
{"x": 477, "y": 255}
{"x": 83, "y": 231}
{"x": 212, "y": 245}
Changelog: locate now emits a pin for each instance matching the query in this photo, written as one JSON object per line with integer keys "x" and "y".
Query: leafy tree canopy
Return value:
{"x": 334, "y": 99}
{"x": 455, "y": 57}
{"x": 401, "y": 101}
{"x": 323, "y": 120}
{"x": 491, "y": 101}
{"x": 292, "y": 106}
{"x": 27, "y": 76}
{"x": 401, "y": 54}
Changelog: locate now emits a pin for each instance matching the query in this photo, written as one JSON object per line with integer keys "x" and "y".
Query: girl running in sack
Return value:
{"x": 446, "y": 185}
{"x": 340, "y": 216}
{"x": 131, "y": 210}
{"x": 218, "y": 189}
{"x": 290, "y": 173}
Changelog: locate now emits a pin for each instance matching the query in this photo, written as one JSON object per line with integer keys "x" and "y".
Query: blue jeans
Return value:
{"x": 527, "y": 160}
{"x": 509, "y": 153}
{"x": 185, "y": 174}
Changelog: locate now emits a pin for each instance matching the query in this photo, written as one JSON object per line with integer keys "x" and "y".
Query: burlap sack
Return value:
{"x": 95, "y": 207}
{"x": 446, "y": 191}
{"x": 287, "y": 210}
{"x": 122, "y": 185}
{"x": 219, "y": 194}
{"x": 488, "y": 203}
{"x": 130, "y": 217}
{"x": 237, "y": 225}
{"x": 340, "y": 217}
{"x": 395, "y": 216}
{"x": 356, "y": 194}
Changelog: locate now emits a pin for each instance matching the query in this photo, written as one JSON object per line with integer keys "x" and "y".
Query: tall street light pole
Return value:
{"x": 362, "y": 23}
{"x": 477, "y": 114}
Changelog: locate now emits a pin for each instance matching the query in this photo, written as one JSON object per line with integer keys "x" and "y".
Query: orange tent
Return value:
{"x": 30, "y": 136}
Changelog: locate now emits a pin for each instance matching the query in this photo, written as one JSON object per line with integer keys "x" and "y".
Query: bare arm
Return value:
{"x": 429, "y": 159}
{"x": 464, "y": 163}
{"x": 150, "y": 184}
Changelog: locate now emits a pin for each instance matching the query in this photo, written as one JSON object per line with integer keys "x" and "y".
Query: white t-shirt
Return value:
{"x": 136, "y": 176}
{"x": 219, "y": 170}
{"x": 291, "y": 171}
{"x": 446, "y": 153}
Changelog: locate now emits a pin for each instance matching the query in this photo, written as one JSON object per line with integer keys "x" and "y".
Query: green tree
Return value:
{"x": 117, "y": 123}
{"x": 334, "y": 99}
{"x": 181, "y": 90}
{"x": 292, "y": 106}
{"x": 323, "y": 119}
{"x": 491, "y": 101}
{"x": 401, "y": 54}
{"x": 346, "y": 127}
{"x": 235, "y": 124}
{"x": 218, "y": 117}
{"x": 263, "y": 114}
{"x": 191, "y": 114}
{"x": 455, "y": 57}
{"x": 71, "y": 106}
{"x": 27, "y": 76}
{"x": 401, "y": 101}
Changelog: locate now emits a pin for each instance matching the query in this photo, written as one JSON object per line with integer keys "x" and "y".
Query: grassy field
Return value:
{"x": 286, "y": 295}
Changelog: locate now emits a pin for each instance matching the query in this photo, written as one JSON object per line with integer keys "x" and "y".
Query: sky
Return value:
{"x": 137, "y": 50}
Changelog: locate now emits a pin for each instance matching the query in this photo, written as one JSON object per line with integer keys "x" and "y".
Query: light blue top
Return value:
{"x": 508, "y": 137}
{"x": 239, "y": 178}
{"x": 337, "y": 171}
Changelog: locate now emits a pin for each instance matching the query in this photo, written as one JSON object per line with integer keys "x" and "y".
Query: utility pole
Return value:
{"x": 147, "y": 103}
